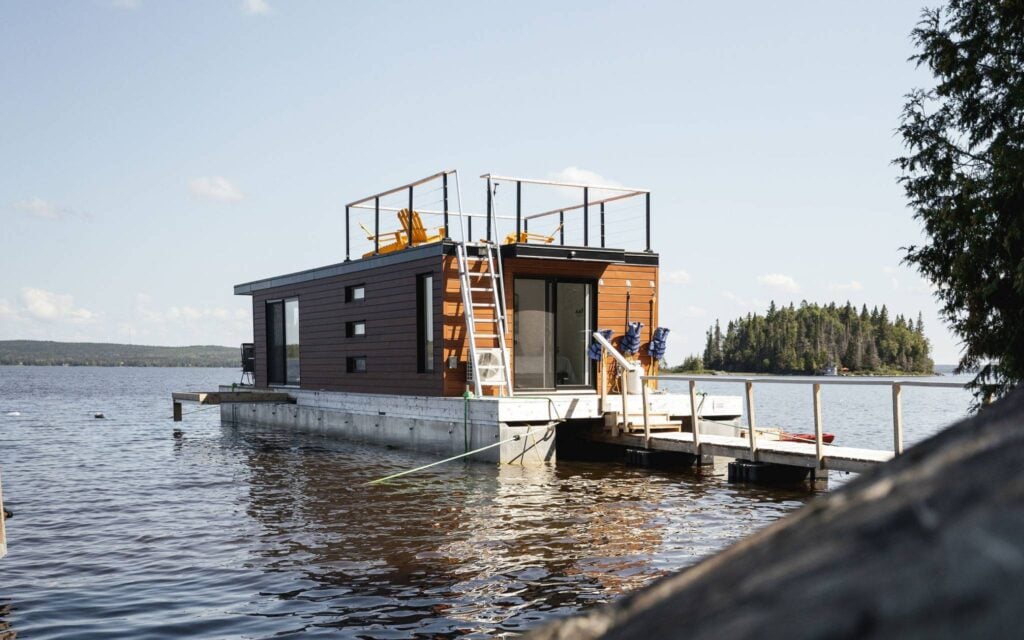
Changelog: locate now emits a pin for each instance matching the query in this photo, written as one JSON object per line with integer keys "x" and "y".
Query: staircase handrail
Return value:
{"x": 621, "y": 359}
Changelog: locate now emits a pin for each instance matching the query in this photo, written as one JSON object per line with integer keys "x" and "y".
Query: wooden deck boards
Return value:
{"x": 798, "y": 454}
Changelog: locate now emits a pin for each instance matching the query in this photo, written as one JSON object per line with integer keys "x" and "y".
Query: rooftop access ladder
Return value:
{"x": 487, "y": 370}
{"x": 488, "y": 281}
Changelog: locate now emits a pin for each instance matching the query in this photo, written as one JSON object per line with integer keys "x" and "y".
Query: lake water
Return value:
{"x": 123, "y": 530}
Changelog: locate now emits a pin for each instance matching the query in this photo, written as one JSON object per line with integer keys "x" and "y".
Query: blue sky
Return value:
{"x": 153, "y": 154}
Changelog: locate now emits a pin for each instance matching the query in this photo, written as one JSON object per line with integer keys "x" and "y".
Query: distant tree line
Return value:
{"x": 43, "y": 353}
{"x": 809, "y": 338}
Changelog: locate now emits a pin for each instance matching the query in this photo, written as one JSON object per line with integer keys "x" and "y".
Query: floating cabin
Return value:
{"x": 433, "y": 304}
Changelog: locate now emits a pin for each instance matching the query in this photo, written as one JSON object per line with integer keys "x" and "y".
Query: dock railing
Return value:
{"x": 816, "y": 384}
{"x": 625, "y": 366}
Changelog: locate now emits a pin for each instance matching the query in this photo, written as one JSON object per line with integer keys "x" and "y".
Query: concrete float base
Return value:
{"x": 776, "y": 474}
{"x": 443, "y": 433}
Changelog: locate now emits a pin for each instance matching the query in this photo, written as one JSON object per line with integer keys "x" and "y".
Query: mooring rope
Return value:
{"x": 461, "y": 455}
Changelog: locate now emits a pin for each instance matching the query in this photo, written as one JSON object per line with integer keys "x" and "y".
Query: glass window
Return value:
{"x": 553, "y": 321}
{"x": 291, "y": 339}
{"x": 283, "y": 342}
{"x": 355, "y": 328}
{"x": 356, "y": 364}
{"x": 425, "y": 323}
{"x": 275, "y": 343}
{"x": 355, "y": 292}
{"x": 534, "y": 334}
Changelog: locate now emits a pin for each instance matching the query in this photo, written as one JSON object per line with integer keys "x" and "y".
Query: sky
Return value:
{"x": 154, "y": 153}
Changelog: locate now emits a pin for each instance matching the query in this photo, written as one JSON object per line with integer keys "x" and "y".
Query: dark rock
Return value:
{"x": 929, "y": 545}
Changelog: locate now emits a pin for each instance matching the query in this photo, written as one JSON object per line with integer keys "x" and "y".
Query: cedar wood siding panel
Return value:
{"x": 389, "y": 310}
{"x": 611, "y": 305}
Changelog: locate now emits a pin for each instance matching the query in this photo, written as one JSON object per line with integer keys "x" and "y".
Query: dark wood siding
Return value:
{"x": 389, "y": 345}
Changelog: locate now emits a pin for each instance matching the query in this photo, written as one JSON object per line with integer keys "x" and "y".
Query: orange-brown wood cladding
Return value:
{"x": 611, "y": 304}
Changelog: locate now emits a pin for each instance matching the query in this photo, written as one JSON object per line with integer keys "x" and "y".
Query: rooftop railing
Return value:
{"x": 572, "y": 214}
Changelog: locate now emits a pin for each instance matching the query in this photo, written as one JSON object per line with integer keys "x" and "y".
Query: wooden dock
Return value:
{"x": 225, "y": 397}
{"x": 792, "y": 454}
{"x": 758, "y": 445}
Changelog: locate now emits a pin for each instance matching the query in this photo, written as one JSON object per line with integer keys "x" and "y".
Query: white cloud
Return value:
{"x": 203, "y": 325}
{"x": 215, "y": 188}
{"x": 583, "y": 176}
{"x": 43, "y": 209}
{"x": 47, "y": 305}
{"x": 691, "y": 311}
{"x": 677, "y": 277}
{"x": 853, "y": 285}
{"x": 780, "y": 282}
{"x": 256, "y": 7}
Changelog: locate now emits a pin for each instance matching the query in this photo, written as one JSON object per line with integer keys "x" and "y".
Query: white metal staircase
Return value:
{"x": 490, "y": 365}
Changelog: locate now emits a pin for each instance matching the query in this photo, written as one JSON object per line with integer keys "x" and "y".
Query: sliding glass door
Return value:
{"x": 553, "y": 321}
{"x": 283, "y": 342}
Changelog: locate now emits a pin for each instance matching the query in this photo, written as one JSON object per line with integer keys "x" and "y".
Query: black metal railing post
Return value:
{"x": 348, "y": 244}
{"x": 586, "y": 216}
{"x": 561, "y": 228}
{"x": 376, "y": 225}
{"x": 648, "y": 206}
{"x": 519, "y": 208}
{"x": 409, "y": 239}
{"x": 444, "y": 196}
{"x": 602, "y": 225}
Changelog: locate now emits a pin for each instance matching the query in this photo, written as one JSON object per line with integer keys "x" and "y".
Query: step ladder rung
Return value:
{"x": 484, "y": 305}
{"x": 477, "y": 289}
{"x": 489, "y": 336}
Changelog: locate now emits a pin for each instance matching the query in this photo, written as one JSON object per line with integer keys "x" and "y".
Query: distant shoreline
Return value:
{"x": 124, "y": 366}
{"x": 97, "y": 354}
{"x": 859, "y": 374}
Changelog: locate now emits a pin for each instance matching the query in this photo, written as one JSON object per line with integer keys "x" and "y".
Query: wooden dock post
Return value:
{"x": 177, "y": 411}
{"x": 751, "y": 422}
{"x": 897, "y": 419}
{"x": 604, "y": 381}
{"x": 625, "y": 392}
{"x": 694, "y": 420}
{"x": 647, "y": 416}
{"x": 819, "y": 449}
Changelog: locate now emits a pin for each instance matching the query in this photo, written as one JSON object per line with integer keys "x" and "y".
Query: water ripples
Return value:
{"x": 123, "y": 530}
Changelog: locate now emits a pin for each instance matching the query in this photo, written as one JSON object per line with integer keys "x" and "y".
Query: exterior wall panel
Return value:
{"x": 389, "y": 345}
{"x": 611, "y": 305}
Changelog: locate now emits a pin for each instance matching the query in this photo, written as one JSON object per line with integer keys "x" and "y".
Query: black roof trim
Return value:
{"x": 342, "y": 268}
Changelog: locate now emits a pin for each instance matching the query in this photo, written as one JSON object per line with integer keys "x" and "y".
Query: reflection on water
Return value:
{"x": 123, "y": 530}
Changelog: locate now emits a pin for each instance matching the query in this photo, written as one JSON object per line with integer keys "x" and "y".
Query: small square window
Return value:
{"x": 356, "y": 364}
{"x": 355, "y": 328}
{"x": 355, "y": 292}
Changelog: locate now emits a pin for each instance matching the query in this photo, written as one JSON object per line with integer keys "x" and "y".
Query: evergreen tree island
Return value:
{"x": 812, "y": 338}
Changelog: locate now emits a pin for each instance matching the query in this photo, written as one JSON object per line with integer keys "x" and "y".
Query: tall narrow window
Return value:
{"x": 283, "y": 341}
{"x": 425, "y": 323}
